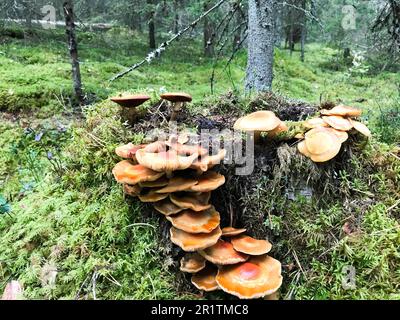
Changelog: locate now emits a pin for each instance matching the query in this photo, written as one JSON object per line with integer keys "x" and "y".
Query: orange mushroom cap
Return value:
{"x": 126, "y": 172}
{"x": 131, "y": 101}
{"x": 165, "y": 161}
{"x": 207, "y": 162}
{"x": 176, "y": 96}
{"x": 256, "y": 278}
{"x": 196, "y": 222}
{"x": 128, "y": 151}
{"x": 194, "y": 241}
{"x": 258, "y": 121}
{"x": 361, "y": 127}
{"x": 166, "y": 207}
{"x": 192, "y": 263}
{"x": 194, "y": 201}
{"x": 314, "y": 122}
{"x": 338, "y": 122}
{"x": 320, "y": 144}
{"x": 152, "y": 196}
{"x": 342, "y": 110}
{"x": 205, "y": 279}
{"x": 207, "y": 182}
{"x": 223, "y": 253}
{"x": 161, "y": 182}
{"x": 250, "y": 245}
{"x": 176, "y": 184}
{"x": 230, "y": 231}
{"x": 281, "y": 128}
{"x": 185, "y": 149}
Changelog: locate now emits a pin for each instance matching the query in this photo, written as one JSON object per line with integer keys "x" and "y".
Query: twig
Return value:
{"x": 394, "y": 206}
{"x": 161, "y": 48}
{"x": 140, "y": 224}
{"x": 299, "y": 264}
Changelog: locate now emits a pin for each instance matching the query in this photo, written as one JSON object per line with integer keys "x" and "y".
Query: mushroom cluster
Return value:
{"x": 326, "y": 134}
{"x": 175, "y": 177}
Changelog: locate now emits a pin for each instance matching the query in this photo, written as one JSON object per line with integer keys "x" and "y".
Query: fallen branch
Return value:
{"x": 157, "y": 52}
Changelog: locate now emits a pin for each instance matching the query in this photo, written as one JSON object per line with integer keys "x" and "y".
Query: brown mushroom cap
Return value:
{"x": 314, "y": 122}
{"x": 166, "y": 207}
{"x": 207, "y": 162}
{"x": 128, "y": 151}
{"x": 342, "y": 110}
{"x": 194, "y": 201}
{"x": 230, "y": 231}
{"x": 176, "y": 184}
{"x": 161, "y": 182}
{"x": 194, "y": 241}
{"x": 152, "y": 196}
{"x": 281, "y": 128}
{"x": 209, "y": 181}
{"x": 165, "y": 161}
{"x": 361, "y": 127}
{"x": 257, "y": 121}
{"x": 132, "y": 190}
{"x": 196, "y": 222}
{"x": 126, "y": 172}
{"x": 176, "y": 97}
{"x": 338, "y": 122}
{"x": 250, "y": 245}
{"x": 256, "y": 278}
{"x": 192, "y": 263}
{"x": 131, "y": 101}
{"x": 205, "y": 279}
{"x": 223, "y": 253}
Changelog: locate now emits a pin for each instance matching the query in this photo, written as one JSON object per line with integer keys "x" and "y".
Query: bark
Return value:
{"x": 259, "y": 73}
{"x": 208, "y": 33}
{"x": 68, "y": 8}
{"x": 152, "y": 36}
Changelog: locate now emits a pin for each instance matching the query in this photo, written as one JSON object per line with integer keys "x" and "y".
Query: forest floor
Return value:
{"x": 67, "y": 214}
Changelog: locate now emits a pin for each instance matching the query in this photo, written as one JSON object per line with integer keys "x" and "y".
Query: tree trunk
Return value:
{"x": 259, "y": 73}
{"x": 208, "y": 32}
{"x": 152, "y": 36}
{"x": 303, "y": 30}
{"x": 28, "y": 14}
{"x": 68, "y": 8}
{"x": 176, "y": 17}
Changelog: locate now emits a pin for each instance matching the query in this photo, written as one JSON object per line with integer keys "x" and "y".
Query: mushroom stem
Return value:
{"x": 129, "y": 114}
{"x": 257, "y": 137}
{"x": 176, "y": 107}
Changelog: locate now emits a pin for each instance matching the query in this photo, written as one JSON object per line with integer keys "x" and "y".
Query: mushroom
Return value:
{"x": 207, "y": 182}
{"x": 314, "y": 122}
{"x": 178, "y": 100}
{"x": 257, "y": 122}
{"x": 320, "y": 144}
{"x": 166, "y": 161}
{"x": 161, "y": 182}
{"x": 342, "y": 135}
{"x": 361, "y": 127}
{"x": 176, "y": 184}
{"x": 258, "y": 277}
{"x": 342, "y": 110}
{"x": 281, "y": 128}
{"x": 128, "y": 151}
{"x": 129, "y": 104}
{"x": 194, "y": 241}
{"x": 132, "y": 190}
{"x": 194, "y": 201}
{"x": 196, "y": 222}
{"x": 152, "y": 196}
{"x": 166, "y": 207}
{"x": 230, "y": 231}
{"x": 205, "y": 279}
{"x": 192, "y": 263}
{"x": 251, "y": 246}
{"x": 185, "y": 149}
{"x": 208, "y": 162}
{"x": 126, "y": 172}
{"x": 223, "y": 253}
{"x": 338, "y": 122}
